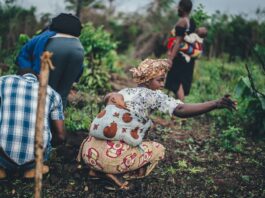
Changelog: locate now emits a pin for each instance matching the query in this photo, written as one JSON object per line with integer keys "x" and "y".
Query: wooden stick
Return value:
{"x": 46, "y": 64}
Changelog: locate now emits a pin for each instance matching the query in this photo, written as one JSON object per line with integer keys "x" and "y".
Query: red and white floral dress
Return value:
{"x": 112, "y": 155}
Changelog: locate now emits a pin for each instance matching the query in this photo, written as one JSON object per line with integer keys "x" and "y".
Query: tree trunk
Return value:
{"x": 78, "y": 8}
{"x": 43, "y": 81}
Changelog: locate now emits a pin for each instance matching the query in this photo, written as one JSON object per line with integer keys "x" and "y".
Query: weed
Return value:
{"x": 232, "y": 139}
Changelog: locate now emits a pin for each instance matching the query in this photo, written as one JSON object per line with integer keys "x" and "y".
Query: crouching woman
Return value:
{"x": 115, "y": 147}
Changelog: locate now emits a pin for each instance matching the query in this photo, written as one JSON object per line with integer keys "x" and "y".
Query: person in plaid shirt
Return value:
{"x": 18, "y": 108}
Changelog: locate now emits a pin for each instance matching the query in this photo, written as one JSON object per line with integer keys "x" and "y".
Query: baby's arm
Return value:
{"x": 191, "y": 38}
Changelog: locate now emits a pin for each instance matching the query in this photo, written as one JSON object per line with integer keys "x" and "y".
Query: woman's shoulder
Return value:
{"x": 129, "y": 90}
{"x": 138, "y": 91}
{"x": 152, "y": 94}
{"x": 132, "y": 89}
{"x": 182, "y": 22}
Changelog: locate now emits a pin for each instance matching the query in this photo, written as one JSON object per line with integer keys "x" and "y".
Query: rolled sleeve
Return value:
{"x": 165, "y": 103}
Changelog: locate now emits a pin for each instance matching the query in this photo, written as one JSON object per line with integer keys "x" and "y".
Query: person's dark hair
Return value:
{"x": 23, "y": 71}
{"x": 186, "y": 5}
{"x": 67, "y": 24}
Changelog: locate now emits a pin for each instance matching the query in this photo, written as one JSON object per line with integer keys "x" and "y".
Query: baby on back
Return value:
{"x": 192, "y": 46}
{"x": 116, "y": 99}
{"x": 198, "y": 36}
{"x": 116, "y": 122}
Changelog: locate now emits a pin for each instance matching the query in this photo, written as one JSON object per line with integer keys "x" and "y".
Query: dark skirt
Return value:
{"x": 181, "y": 72}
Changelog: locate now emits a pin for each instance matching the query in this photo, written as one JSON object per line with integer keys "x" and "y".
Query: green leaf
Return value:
{"x": 245, "y": 178}
{"x": 23, "y": 38}
{"x": 243, "y": 87}
{"x": 262, "y": 101}
{"x": 182, "y": 164}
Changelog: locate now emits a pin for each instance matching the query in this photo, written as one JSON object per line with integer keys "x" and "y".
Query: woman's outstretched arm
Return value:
{"x": 190, "y": 110}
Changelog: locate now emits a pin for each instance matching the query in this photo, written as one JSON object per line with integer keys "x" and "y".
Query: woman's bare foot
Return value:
{"x": 118, "y": 180}
{"x": 136, "y": 174}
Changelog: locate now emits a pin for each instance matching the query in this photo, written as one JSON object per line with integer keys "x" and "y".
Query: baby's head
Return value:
{"x": 115, "y": 98}
{"x": 202, "y": 32}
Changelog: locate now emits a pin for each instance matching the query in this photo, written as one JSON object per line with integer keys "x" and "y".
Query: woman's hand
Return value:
{"x": 226, "y": 102}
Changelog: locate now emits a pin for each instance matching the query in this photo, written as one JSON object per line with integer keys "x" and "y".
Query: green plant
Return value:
{"x": 170, "y": 170}
{"x": 9, "y": 56}
{"x": 252, "y": 107}
{"x": 232, "y": 139}
{"x": 199, "y": 15}
{"x": 23, "y": 38}
{"x": 95, "y": 81}
{"x": 245, "y": 178}
{"x": 182, "y": 164}
{"x": 214, "y": 78}
{"x": 100, "y": 58}
{"x": 195, "y": 170}
{"x": 80, "y": 119}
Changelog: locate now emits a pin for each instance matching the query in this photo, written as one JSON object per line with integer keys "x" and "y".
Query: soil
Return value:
{"x": 195, "y": 165}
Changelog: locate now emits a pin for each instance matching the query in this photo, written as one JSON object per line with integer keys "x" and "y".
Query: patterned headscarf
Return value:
{"x": 149, "y": 69}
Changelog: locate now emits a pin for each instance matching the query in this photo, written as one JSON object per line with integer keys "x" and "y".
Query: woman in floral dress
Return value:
{"x": 115, "y": 146}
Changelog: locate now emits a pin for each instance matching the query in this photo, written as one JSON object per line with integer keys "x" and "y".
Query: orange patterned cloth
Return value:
{"x": 149, "y": 69}
{"x": 117, "y": 157}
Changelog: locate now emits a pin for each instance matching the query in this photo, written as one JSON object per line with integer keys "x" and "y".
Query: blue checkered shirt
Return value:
{"x": 18, "y": 103}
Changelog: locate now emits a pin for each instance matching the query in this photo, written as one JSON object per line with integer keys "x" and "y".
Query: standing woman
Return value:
{"x": 179, "y": 77}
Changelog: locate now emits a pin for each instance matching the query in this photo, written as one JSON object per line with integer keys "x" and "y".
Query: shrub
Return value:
{"x": 100, "y": 57}
{"x": 8, "y": 65}
{"x": 213, "y": 79}
{"x": 251, "y": 108}
{"x": 232, "y": 139}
